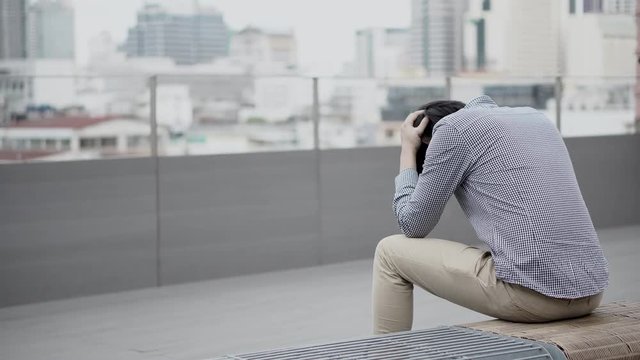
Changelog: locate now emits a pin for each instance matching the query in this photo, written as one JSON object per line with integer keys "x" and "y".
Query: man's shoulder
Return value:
{"x": 468, "y": 118}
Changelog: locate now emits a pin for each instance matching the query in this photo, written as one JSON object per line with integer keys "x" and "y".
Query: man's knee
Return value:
{"x": 387, "y": 244}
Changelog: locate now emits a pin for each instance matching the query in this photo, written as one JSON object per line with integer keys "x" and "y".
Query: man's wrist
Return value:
{"x": 409, "y": 149}
{"x": 407, "y": 158}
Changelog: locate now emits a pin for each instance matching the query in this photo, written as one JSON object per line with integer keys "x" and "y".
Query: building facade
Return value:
{"x": 79, "y": 137}
{"x": 186, "y": 38}
{"x": 51, "y": 30}
{"x": 437, "y": 35}
{"x": 381, "y": 53}
{"x": 13, "y": 29}
{"x": 514, "y": 37}
{"x": 265, "y": 52}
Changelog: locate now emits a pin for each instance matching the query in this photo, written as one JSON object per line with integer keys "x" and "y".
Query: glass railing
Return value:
{"x": 234, "y": 114}
{"x": 368, "y": 112}
{"x": 93, "y": 117}
{"x": 598, "y": 106}
{"x": 57, "y": 118}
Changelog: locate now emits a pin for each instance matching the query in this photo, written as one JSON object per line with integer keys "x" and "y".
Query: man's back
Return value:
{"x": 512, "y": 175}
{"x": 520, "y": 193}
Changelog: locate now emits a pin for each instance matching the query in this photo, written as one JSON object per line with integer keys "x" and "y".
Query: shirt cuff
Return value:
{"x": 406, "y": 177}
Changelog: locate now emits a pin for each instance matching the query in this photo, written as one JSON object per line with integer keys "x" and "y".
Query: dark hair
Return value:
{"x": 434, "y": 112}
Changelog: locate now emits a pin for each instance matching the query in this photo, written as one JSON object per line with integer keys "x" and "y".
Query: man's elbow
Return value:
{"x": 410, "y": 230}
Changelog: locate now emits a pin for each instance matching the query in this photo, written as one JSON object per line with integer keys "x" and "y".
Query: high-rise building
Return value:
{"x": 51, "y": 30}
{"x": 602, "y": 7}
{"x": 13, "y": 29}
{"x": 600, "y": 45}
{"x": 514, "y": 37}
{"x": 627, "y": 7}
{"x": 436, "y": 35}
{"x": 382, "y": 53}
{"x": 266, "y": 52}
{"x": 186, "y": 38}
{"x": 600, "y": 37}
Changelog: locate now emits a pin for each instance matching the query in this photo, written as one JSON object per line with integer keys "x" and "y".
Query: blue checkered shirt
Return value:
{"x": 511, "y": 173}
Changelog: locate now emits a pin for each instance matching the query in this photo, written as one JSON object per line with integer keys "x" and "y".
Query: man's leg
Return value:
{"x": 462, "y": 274}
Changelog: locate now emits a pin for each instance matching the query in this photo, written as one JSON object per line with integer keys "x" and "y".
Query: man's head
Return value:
{"x": 433, "y": 112}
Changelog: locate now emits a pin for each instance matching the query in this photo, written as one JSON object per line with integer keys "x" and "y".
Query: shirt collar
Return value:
{"x": 483, "y": 101}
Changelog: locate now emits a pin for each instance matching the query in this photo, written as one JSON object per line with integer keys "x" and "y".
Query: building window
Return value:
{"x": 89, "y": 143}
{"x": 109, "y": 142}
{"x": 486, "y": 5}
{"x": 36, "y": 144}
{"x": 572, "y": 6}
{"x": 592, "y": 6}
{"x": 137, "y": 141}
{"x": 481, "y": 60}
{"x": 50, "y": 143}
{"x": 98, "y": 143}
{"x": 66, "y": 144}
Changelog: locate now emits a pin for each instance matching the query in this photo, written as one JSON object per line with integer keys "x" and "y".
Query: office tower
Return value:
{"x": 13, "y": 28}
{"x": 627, "y": 7}
{"x": 600, "y": 38}
{"x": 186, "y": 38}
{"x": 51, "y": 30}
{"x": 514, "y": 37}
{"x": 382, "y": 53}
{"x": 436, "y": 35}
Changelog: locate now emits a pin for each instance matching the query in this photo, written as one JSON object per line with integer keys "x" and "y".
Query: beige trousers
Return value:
{"x": 462, "y": 274}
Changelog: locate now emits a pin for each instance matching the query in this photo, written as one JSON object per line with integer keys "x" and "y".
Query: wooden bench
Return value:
{"x": 610, "y": 332}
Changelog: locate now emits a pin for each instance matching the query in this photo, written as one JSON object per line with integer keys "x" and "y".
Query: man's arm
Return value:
{"x": 420, "y": 200}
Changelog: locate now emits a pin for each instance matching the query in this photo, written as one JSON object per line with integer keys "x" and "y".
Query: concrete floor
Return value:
{"x": 235, "y": 315}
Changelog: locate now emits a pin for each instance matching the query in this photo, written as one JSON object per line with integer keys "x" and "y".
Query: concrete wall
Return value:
{"x": 88, "y": 227}
{"x": 76, "y": 228}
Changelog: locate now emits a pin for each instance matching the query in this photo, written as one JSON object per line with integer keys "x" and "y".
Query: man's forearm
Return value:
{"x": 407, "y": 158}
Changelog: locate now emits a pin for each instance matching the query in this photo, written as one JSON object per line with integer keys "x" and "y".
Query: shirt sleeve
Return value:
{"x": 419, "y": 200}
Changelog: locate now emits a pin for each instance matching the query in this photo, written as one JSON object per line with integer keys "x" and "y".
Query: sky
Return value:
{"x": 325, "y": 29}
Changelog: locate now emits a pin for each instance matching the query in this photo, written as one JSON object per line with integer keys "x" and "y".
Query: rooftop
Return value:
{"x": 67, "y": 122}
{"x": 243, "y": 314}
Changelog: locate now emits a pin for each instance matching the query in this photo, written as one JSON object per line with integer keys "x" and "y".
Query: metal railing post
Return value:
{"x": 153, "y": 122}
{"x": 558, "y": 94}
{"x": 315, "y": 115}
{"x": 153, "y": 87}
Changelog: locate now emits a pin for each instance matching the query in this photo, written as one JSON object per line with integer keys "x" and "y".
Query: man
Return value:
{"x": 511, "y": 174}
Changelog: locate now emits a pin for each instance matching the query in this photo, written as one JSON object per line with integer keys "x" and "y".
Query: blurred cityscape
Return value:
{"x": 214, "y": 89}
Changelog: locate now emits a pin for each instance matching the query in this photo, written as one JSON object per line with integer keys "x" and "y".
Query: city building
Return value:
{"x": 188, "y": 39}
{"x": 514, "y": 37}
{"x": 51, "y": 30}
{"x": 13, "y": 29}
{"x": 627, "y": 7}
{"x": 602, "y": 7}
{"x": 600, "y": 45}
{"x": 81, "y": 137}
{"x": 29, "y": 82}
{"x": 436, "y": 35}
{"x": 382, "y": 53}
{"x": 265, "y": 52}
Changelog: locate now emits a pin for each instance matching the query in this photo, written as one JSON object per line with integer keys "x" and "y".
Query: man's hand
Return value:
{"x": 410, "y": 137}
